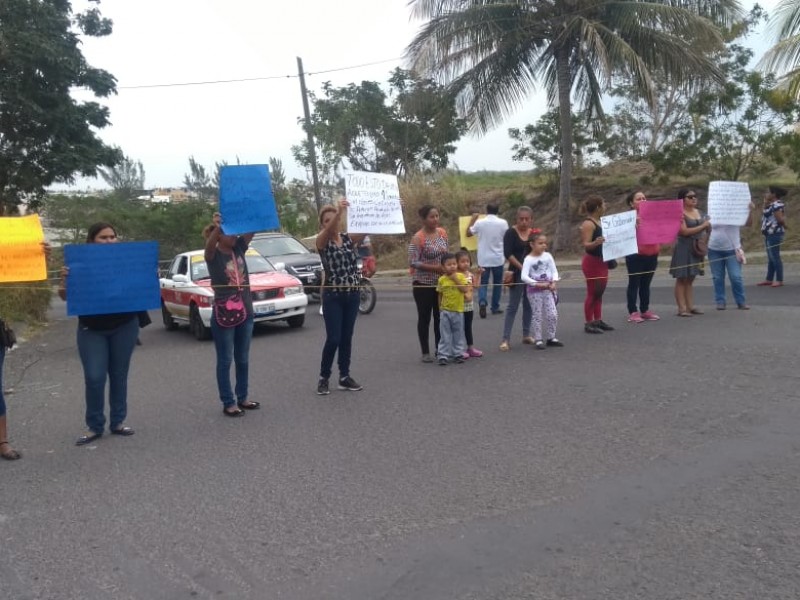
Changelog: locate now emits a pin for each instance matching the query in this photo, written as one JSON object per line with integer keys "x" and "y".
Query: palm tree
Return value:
{"x": 492, "y": 53}
{"x": 785, "y": 54}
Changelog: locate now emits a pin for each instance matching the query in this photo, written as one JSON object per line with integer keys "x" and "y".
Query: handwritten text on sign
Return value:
{"x": 659, "y": 221}
{"x": 728, "y": 202}
{"x": 112, "y": 278}
{"x": 21, "y": 253}
{"x": 619, "y": 232}
{"x": 374, "y": 203}
{"x": 245, "y": 199}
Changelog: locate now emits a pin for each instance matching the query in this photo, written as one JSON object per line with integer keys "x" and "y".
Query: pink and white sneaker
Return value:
{"x": 474, "y": 353}
{"x": 465, "y": 355}
{"x": 650, "y": 316}
{"x": 635, "y": 318}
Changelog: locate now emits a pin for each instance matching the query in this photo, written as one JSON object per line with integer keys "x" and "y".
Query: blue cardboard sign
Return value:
{"x": 112, "y": 278}
{"x": 246, "y": 202}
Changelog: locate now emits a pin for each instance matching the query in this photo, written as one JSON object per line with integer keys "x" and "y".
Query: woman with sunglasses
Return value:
{"x": 685, "y": 266}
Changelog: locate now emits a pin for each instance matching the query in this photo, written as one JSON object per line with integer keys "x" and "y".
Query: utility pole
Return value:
{"x": 312, "y": 152}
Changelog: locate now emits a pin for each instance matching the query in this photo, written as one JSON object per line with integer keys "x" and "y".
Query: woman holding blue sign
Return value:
{"x": 232, "y": 318}
{"x": 105, "y": 345}
{"x": 340, "y": 296}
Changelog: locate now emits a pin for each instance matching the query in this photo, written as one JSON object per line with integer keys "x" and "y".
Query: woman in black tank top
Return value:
{"x": 593, "y": 266}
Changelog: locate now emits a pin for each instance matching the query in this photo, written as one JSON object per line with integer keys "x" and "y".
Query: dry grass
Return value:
{"x": 26, "y": 302}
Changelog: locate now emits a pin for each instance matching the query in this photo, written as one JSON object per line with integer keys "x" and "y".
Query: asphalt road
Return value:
{"x": 659, "y": 461}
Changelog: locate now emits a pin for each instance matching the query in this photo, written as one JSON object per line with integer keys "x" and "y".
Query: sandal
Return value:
{"x": 528, "y": 340}
{"x": 684, "y": 314}
{"x": 88, "y": 439}
{"x": 10, "y": 453}
{"x": 504, "y": 346}
{"x": 233, "y": 413}
{"x": 122, "y": 431}
{"x": 249, "y": 405}
{"x": 696, "y": 311}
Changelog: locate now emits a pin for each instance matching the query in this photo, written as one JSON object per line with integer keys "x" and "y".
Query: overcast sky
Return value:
{"x": 175, "y": 41}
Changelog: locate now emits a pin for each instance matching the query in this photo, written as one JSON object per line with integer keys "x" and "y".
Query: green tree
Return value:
{"x": 126, "y": 178}
{"x": 46, "y": 135}
{"x": 176, "y": 227}
{"x": 491, "y": 53}
{"x": 412, "y": 127}
{"x": 294, "y": 201}
{"x": 784, "y": 56}
{"x": 729, "y": 129}
{"x": 540, "y": 143}
{"x": 636, "y": 128}
{"x": 197, "y": 180}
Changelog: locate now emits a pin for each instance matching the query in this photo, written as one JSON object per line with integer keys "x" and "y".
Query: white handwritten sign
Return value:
{"x": 374, "y": 203}
{"x": 728, "y": 202}
{"x": 619, "y": 232}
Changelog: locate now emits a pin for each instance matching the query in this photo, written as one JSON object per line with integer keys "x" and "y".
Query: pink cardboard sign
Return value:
{"x": 659, "y": 221}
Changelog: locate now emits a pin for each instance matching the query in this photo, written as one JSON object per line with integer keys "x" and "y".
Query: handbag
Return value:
{"x": 700, "y": 246}
{"x": 230, "y": 311}
{"x": 7, "y": 336}
{"x": 612, "y": 264}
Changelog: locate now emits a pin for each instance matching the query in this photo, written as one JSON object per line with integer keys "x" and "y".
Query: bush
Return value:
{"x": 26, "y": 302}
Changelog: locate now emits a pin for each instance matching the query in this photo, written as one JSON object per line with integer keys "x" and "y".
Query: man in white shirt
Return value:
{"x": 490, "y": 231}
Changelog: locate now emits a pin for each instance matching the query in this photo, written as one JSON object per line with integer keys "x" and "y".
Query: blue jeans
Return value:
{"x": 774, "y": 263}
{"x": 2, "y": 400}
{"x": 341, "y": 310}
{"x": 496, "y": 274}
{"x": 106, "y": 355}
{"x": 232, "y": 345}
{"x": 515, "y": 294}
{"x": 719, "y": 261}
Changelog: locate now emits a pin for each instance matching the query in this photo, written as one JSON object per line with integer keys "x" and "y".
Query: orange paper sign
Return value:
{"x": 21, "y": 253}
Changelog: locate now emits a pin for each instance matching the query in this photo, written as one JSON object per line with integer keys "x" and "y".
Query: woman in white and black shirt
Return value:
{"x": 340, "y": 296}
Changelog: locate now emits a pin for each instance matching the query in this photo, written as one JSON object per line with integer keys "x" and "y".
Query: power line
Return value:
{"x": 249, "y": 79}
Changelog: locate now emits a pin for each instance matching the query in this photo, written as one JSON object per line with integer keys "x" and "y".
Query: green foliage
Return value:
{"x": 294, "y": 202}
{"x": 27, "y": 302}
{"x": 126, "y": 178}
{"x": 412, "y": 128}
{"x": 46, "y": 135}
{"x": 176, "y": 227}
{"x": 540, "y": 142}
{"x": 729, "y": 130}
{"x": 784, "y": 56}
{"x": 198, "y": 180}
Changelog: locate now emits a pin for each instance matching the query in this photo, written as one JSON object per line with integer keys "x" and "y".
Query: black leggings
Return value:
{"x": 468, "y": 327}
{"x": 641, "y": 269}
{"x": 427, "y": 301}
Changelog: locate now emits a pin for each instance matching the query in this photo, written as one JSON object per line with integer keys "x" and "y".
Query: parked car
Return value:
{"x": 187, "y": 295}
{"x": 296, "y": 258}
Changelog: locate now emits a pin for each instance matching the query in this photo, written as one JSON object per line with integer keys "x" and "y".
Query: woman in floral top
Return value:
{"x": 340, "y": 296}
{"x": 773, "y": 228}
{"x": 425, "y": 253}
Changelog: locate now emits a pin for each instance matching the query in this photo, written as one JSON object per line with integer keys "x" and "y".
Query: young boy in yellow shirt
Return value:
{"x": 453, "y": 288}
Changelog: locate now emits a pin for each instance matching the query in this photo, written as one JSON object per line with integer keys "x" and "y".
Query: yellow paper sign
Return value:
{"x": 470, "y": 243}
{"x": 21, "y": 253}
